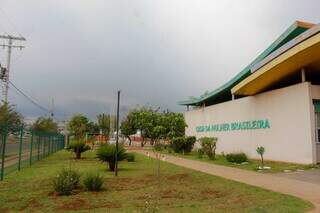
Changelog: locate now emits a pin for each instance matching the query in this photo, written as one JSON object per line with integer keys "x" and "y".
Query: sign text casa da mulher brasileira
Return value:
{"x": 242, "y": 125}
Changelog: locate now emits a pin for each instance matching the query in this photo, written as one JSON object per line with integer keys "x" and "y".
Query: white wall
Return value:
{"x": 289, "y": 138}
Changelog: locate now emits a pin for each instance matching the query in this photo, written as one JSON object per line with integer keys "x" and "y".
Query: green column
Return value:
{"x": 4, "y": 140}
{"x": 31, "y": 146}
{"x": 20, "y": 148}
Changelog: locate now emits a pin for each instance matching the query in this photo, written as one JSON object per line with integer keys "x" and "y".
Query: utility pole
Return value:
{"x": 52, "y": 108}
{"x": 117, "y": 137}
{"x": 9, "y": 47}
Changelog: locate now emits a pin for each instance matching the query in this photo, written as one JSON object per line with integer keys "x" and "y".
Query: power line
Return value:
{"x": 29, "y": 98}
{"x": 14, "y": 26}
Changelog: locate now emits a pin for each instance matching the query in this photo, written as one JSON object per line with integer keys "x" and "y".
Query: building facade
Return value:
{"x": 273, "y": 102}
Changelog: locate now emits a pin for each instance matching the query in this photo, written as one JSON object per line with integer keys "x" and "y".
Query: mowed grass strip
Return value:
{"x": 251, "y": 165}
{"x": 136, "y": 189}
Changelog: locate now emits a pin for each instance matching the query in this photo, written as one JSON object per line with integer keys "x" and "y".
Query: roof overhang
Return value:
{"x": 290, "y": 58}
{"x": 292, "y": 32}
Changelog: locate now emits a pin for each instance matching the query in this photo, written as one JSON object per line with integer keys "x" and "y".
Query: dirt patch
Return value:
{"x": 170, "y": 193}
{"x": 32, "y": 204}
{"x": 130, "y": 183}
{"x": 4, "y": 210}
{"x": 109, "y": 205}
{"x": 75, "y": 204}
{"x": 211, "y": 194}
{"x": 179, "y": 177}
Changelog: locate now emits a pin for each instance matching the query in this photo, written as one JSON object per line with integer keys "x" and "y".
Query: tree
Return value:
{"x": 78, "y": 147}
{"x": 104, "y": 123}
{"x": 10, "y": 117}
{"x": 175, "y": 124}
{"x": 146, "y": 119}
{"x": 127, "y": 127}
{"x": 78, "y": 126}
{"x": 45, "y": 125}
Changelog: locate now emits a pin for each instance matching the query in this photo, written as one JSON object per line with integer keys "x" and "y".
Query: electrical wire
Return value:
{"x": 30, "y": 99}
{"x": 14, "y": 26}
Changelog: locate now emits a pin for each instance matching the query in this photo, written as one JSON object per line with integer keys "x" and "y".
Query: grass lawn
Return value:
{"x": 136, "y": 188}
{"x": 251, "y": 165}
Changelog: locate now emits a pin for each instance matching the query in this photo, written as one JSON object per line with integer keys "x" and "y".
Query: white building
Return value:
{"x": 274, "y": 102}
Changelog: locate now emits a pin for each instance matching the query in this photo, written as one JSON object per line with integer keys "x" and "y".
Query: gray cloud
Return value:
{"x": 157, "y": 52}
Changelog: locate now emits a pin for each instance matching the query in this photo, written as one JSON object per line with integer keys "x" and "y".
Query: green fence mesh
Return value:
{"x": 20, "y": 147}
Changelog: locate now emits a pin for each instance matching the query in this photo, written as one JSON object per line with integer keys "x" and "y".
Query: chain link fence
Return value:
{"x": 20, "y": 147}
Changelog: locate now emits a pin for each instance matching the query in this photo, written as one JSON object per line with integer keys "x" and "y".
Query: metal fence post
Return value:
{"x": 44, "y": 147}
{"x": 38, "y": 147}
{"x": 4, "y": 140}
{"x": 20, "y": 148}
{"x": 31, "y": 146}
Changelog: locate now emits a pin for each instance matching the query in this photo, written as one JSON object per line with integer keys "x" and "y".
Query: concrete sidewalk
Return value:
{"x": 304, "y": 190}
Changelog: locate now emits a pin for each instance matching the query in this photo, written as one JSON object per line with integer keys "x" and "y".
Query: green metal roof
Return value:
{"x": 223, "y": 92}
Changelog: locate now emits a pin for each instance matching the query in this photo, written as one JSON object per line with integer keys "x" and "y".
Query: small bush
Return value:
{"x": 237, "y": 157}
{"x": 209, "y": 145}
{"x": 93, "y": 182}
{"x": 183, "y": 144}
{"x": 200, "y": 153}
{"x": 177, "y": 144}
{"x": 78, "y": 147}
{"x": 130, "y": 157}
{"x": 189, "y": 143}
{"x": 158, "y": 147}
{"x": 66, "y": 181}
{"x": 107, "y": 153}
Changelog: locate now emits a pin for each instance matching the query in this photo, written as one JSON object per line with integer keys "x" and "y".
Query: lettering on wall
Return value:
{"x": 242, "y": 125}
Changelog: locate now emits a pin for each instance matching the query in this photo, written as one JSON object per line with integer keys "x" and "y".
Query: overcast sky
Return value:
{"x": 158, "y": 52}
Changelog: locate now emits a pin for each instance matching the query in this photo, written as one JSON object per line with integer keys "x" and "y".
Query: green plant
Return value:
{"x": 200, "y": 153}
{"x": 237, "y": 157}
{"x": 177, "y": 144}
{"x": 130, "y": 157}
{"x": 158, "y": 147}
{"x": 78, "y": 147}
{"x": 183, "y": 144}
{"x": 261, "y": 150}
{"x": 66, "y": 181}
{"x": 189, "y": 143}
{"x": 209, "y": 145}
{"x": 107, "y": 153}
{"x": 93, "y": 182}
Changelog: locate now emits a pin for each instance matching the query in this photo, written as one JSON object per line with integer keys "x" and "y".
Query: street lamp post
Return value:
{"x": 117, "y": 137}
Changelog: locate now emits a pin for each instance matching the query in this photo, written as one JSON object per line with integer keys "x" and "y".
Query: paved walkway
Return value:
{"x": 305, "y": 190}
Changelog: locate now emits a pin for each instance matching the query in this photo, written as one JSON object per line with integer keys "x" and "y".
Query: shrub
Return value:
{"x": 130, "y": 157}
{"x": 93, "y": 182}
{"x": 177, "y": 144}
{"x": 189, "y": 143}
{"x": 200, "y": 153}
{"x": 78, "y": 147}
{"x": 66, "y": 181}
{"x": 209, "y": 145}
{"x": 183, "y": 144}
{"x": 261, "y": 150}
{"x": 237, "y": 157}
{"x": 158, "y": 147}
{"x": 107, "y": 153}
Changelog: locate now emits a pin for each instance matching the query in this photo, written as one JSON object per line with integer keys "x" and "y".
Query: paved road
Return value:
{"x": 305, "y": 190}
{"x": 311, "y": 176}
